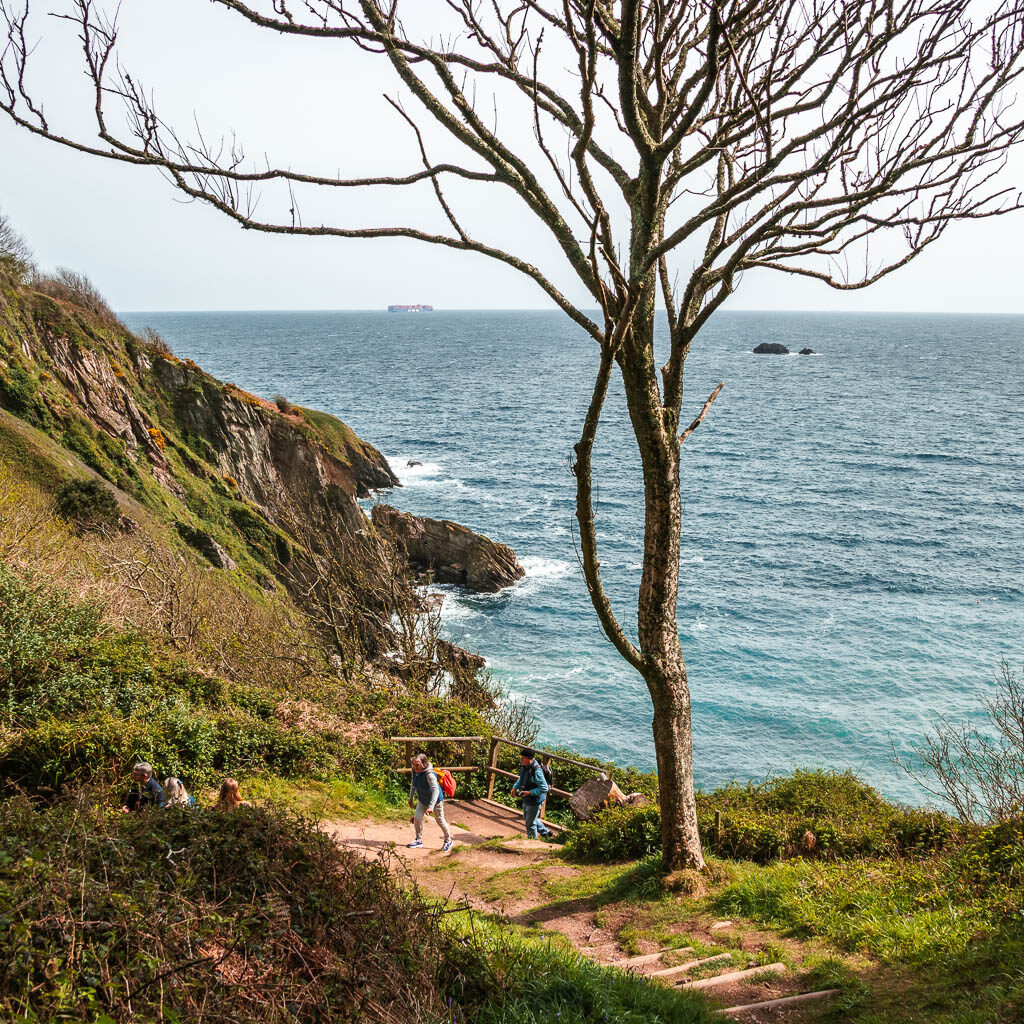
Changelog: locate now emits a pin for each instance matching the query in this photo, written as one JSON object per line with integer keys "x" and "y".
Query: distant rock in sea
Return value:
{"x": 412, "y": 463}
{"x": 771, "y": 348}
{"x": 808, "y": 352}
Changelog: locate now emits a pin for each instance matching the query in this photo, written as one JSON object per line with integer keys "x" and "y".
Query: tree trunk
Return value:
{"x": 673, "y": 745}
{"x": 664, "y": 670}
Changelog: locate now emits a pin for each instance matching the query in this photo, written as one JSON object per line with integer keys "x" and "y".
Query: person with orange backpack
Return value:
{"x": 426, "y": 795}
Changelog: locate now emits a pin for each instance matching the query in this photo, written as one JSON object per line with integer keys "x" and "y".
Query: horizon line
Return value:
{"x": 549, "y": 309}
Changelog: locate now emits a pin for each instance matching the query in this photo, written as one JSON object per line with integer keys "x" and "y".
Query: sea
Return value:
{"x": 851, "y": 567}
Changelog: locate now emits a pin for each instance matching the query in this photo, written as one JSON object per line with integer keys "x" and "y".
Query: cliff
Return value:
{"x": 204, "y": 454}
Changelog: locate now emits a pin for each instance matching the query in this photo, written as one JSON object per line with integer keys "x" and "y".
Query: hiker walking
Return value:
{"x": 549, "y": 778}
{"x": 426, "y": 797}
{"x": 533, "y": 788}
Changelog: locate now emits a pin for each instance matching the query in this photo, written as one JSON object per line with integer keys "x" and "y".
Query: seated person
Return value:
{"x": 229, "y": 798}
{"x": 177, "y": 795}
{"x": 147, "y": 792}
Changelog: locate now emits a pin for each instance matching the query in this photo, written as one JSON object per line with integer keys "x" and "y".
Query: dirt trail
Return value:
{"x": 471, "y": 825}
{"x": 528, "y": 884}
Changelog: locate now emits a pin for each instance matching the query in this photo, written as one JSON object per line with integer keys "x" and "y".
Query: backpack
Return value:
{"x": 549, "y": 775}
{"x": 446, "y": 781}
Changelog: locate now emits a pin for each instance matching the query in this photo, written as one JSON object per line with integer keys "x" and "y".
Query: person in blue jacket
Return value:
{"x": 533, "y": 788}
{"x": 145, "y": 792}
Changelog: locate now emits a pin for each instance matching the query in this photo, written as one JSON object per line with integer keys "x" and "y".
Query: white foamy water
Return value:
{"x": 425, "y": 475}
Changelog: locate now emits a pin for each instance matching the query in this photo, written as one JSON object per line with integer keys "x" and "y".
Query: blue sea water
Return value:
{"x": 853, "y": 521}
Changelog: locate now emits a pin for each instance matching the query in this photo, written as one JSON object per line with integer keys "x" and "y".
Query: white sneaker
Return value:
{"x": 415, "y": 844}
{"x": 447, "y": 846}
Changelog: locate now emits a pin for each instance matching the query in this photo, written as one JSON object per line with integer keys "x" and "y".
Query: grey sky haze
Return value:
{"x": 317, "y": 106}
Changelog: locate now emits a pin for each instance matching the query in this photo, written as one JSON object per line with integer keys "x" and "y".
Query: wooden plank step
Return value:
{"x": 725, "y": 979}
{"x": 648, "y": 958}
{"x": 804, "y": 997}
{"x": 667, "y": 972}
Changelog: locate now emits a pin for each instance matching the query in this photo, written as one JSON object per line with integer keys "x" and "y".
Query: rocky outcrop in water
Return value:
{"x": 808, "y": 352}
{"x": 449, "y": 552}
{"x": 771, "y": 348}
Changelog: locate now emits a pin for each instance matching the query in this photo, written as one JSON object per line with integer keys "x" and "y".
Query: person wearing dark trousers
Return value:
{"x": 533, "y": 788}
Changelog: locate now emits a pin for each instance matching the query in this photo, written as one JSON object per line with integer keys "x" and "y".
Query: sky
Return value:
{"x": 317, "y": 105}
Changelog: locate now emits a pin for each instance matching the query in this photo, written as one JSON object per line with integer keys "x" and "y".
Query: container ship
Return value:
{"x": 417, "y": 308}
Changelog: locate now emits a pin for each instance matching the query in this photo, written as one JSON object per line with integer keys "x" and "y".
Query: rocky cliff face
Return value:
{"x": 201, "y": 452}
{"x": 279, "y": 461}
{"x": 452, "y": 553}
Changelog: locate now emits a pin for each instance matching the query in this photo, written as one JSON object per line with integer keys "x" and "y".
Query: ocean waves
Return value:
{"x": 851, "y": 539}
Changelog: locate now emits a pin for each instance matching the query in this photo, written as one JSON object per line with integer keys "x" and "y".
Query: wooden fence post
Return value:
{"x": 468, "y": 759}
{"x": 492, "y": 760}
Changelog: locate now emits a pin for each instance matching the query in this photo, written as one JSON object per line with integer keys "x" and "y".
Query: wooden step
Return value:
{"x": 667, "y": 972}
{"x": 648, "y": 958}
{"x": 725, "y": 979}
{"x": 804, "y": 997}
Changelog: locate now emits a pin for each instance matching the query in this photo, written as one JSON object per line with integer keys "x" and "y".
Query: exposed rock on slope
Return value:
{"x": 197, "y": 451}
{"x": 453, "y": 553}
{"x": 277, "y": 461}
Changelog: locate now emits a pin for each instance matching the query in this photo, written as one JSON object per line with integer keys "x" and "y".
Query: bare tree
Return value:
{"x": 675, "y": 145}
{"x": 979, "y": 773}
{"x": 15, "y": 255}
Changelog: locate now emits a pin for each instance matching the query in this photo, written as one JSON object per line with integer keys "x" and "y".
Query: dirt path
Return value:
{"x": 493, "y": 868}
{"x": 472, "y": 824}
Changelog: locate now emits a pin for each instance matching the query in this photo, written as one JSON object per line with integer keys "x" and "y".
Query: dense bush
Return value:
{"x": 811, "y": 814}
{"x": 80, "y": 699}
{"x": 88, "y": 504}
{"x": 69, "y": 286}
{"x": 177, "y": 915}
{"x": 616, "y": 834}
{"x": 258, "y": 916}
{"x": 814, "y": 814}
{"x": 17, "y": 388}
{"x": 15, "y": 255}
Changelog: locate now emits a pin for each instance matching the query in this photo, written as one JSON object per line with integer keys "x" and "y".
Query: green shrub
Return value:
{"x": 39, "y": 634}
{"x": 18, "y": 388}
{"x": 814, "y": 814}
{"x": 254, "y": 897}
{"x": 809, "y": 814}
{"x": 88, "y": 504}
{"x": 616, "y": 834}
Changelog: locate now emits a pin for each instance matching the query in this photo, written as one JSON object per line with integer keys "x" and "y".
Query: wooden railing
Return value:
{"x": 546, "y": 757}
{"x": 467, "y": 742}
{"x": 492, "y": 769}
